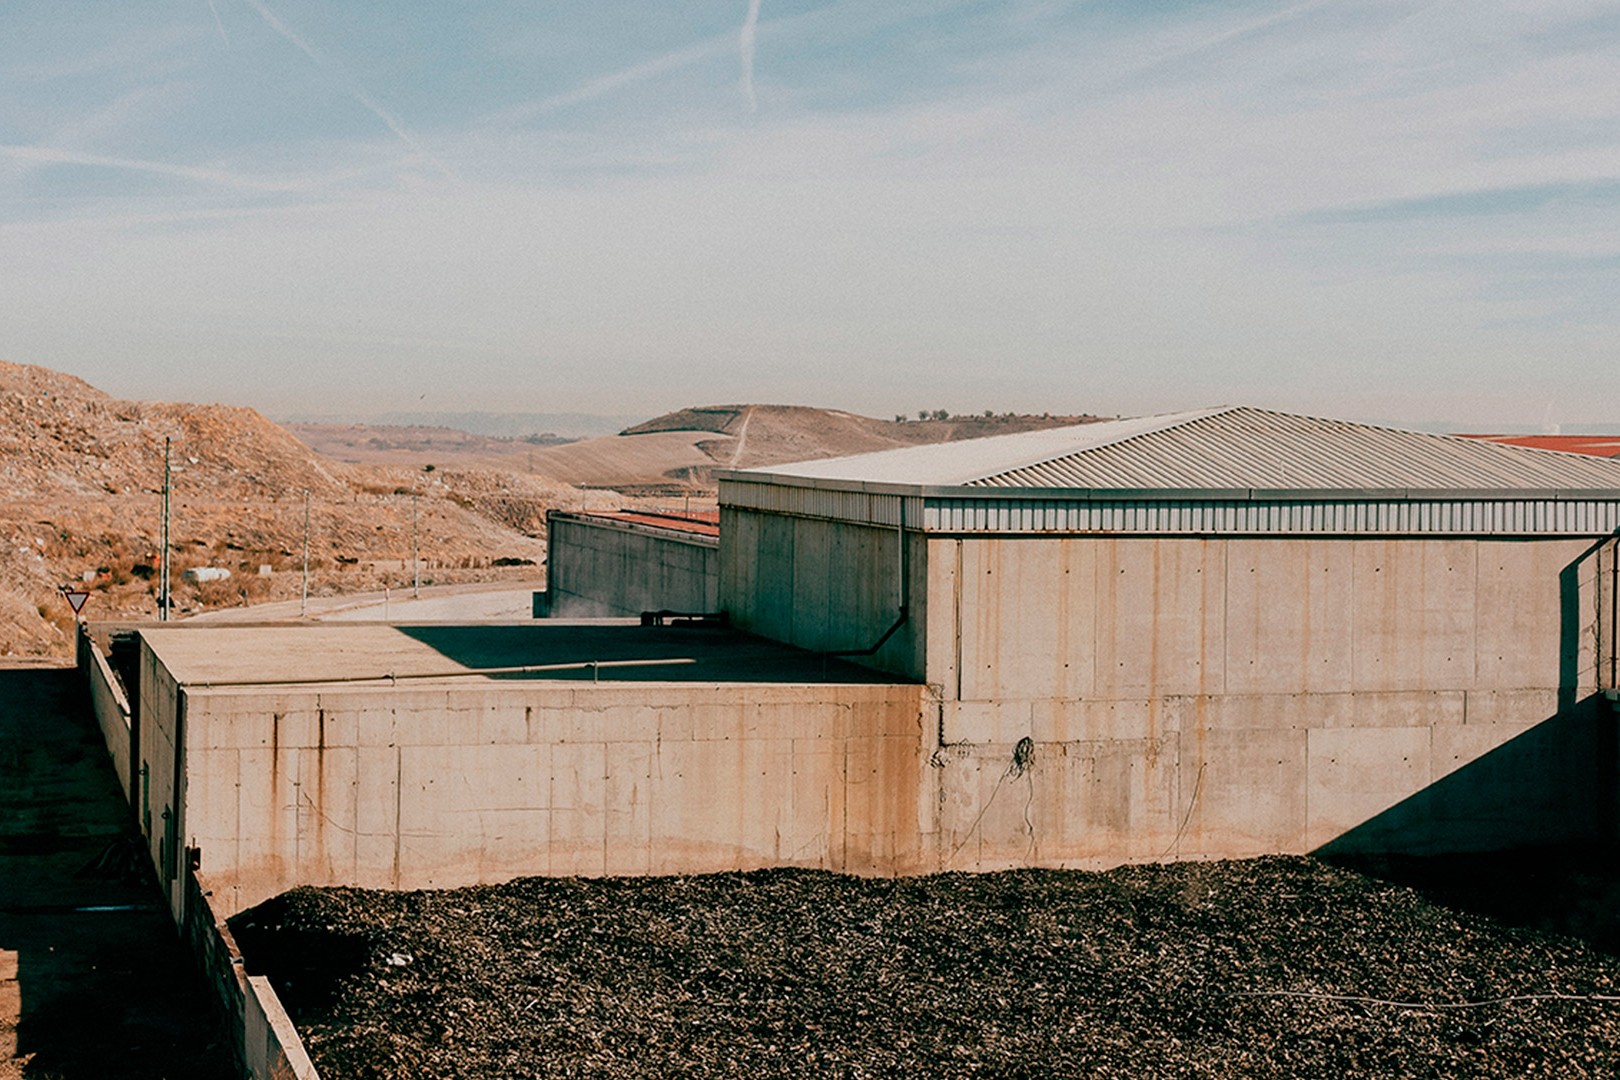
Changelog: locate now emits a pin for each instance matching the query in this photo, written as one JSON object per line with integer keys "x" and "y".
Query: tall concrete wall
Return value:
{"x": 159, "y": 777}
{"x": 1230, "y": 697}
{"x": 825, "y": 585}
{"x": 600, "y": 569}
{"x": 452, "y": 785}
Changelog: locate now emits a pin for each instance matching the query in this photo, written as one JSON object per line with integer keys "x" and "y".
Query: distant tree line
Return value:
{"x": 946, "y": 414}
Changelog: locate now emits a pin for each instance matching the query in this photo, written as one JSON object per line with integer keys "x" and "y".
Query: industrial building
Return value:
{"x": 1212, "y": 634}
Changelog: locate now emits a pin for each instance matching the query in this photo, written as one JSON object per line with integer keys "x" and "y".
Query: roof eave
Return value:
{"x": 959, "y": 491}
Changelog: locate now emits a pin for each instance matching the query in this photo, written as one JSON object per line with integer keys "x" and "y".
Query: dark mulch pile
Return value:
{"x": 1264, "y": 967}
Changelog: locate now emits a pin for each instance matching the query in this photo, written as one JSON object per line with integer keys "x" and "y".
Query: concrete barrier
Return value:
{"x": 263, "y": 1040}
{"x": 272, "y": 1046}
{"x": 110, "y": 705}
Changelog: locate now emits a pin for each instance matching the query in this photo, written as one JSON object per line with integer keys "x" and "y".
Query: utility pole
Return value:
{"x": 303, "y": 600}
{"x": 416, "y": 553}
{"x": 163, "y": 571}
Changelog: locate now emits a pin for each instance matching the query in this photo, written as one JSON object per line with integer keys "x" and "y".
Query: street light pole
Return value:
{"x": 303, "y": 600}
{"x": 416, "y": 553}
{"x": 163, "y": 572}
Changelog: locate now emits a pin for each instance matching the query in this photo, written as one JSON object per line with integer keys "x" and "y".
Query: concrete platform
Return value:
{"x": 598, "y": 651}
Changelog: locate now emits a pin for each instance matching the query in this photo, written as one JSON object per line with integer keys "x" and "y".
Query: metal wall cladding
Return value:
{"x": 1304, "y": 516}
{"x": 1527, "y": 517}
{"x": 861, "y": 507}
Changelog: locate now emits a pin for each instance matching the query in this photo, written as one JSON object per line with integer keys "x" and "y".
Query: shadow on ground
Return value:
{"x": 637, "y": 653}
{"x": 93, "y": 981}
{"x": 1573, "y": 891}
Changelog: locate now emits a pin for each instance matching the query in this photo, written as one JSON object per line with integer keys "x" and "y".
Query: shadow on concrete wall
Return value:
{"x": 638, "y": 654}
{"x": 1553, "y": 786}
{"x": 1527, "y": 833}
{"x": 1524, "y": 834}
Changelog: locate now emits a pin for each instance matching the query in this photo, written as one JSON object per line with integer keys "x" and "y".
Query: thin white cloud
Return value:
{"x": 1248, "y": 30}
{"x": 1043, "y": 204}
{"x": 607, "y": 84}
{"x": 843, "y": 19}
{"x": 45, "y": 155}
{"x": 355, "y": 91}
{"x": 223, "y": 35}
{"x": 746, "y": 46}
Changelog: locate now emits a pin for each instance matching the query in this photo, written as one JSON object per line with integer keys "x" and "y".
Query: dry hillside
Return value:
{"x": 674, "y": 454}
{"x": 416, "y": 445}
{"x": 81, "y": 477}
{"x": 681, "y": 450}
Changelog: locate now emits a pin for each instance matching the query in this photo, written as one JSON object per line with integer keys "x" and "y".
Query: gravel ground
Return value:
{"x": 1265, "y": 967}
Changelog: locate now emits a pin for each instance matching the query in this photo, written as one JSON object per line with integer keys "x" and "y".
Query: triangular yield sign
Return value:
{"x": 77, "y": 599}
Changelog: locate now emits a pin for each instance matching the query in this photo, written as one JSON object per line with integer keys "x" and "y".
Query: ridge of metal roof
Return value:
{"x": 963, "y": 461}
{"x": 1240, "y": 451}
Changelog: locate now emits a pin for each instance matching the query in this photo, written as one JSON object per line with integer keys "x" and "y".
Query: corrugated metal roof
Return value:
{"x": 1227, "y": 449}
{"x": 1595, "y": 445}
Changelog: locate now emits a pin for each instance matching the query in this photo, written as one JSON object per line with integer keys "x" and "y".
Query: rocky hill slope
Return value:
{"x": 81, "y": 479}
{"x": 683, "y": 448}
{"x": 671, "y": 455}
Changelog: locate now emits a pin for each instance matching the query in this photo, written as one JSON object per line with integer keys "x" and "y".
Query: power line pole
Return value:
{"x": 416, "y": 553}
{"x": 163, "y": 565}
{"x": 303, "y": 600}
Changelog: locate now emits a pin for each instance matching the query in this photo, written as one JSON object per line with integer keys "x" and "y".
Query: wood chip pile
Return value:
{"x": 1266, "y": 967}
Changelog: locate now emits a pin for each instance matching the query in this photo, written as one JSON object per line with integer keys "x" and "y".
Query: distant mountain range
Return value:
{"x": 495, "y": 424}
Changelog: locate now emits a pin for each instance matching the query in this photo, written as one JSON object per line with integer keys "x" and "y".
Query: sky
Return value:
{"x": 1374, "y": 209}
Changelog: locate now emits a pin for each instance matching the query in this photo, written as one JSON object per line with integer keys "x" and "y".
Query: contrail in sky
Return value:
{"x": 219, "y": 24}
{"x": 50, "y": 155}
{"x": 358, "y": 94}
{"x": 746, "y": 42}
{"x": 607, "y": 84}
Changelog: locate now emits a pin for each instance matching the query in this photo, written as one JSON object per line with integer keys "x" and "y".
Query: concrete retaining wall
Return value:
{"x": 452, "y": 785}
{"x": 1089, "y": 700}
{"x": 159, "y": 777}
{"x": 264, "y": 1041}
{"x": 1188, "y": 697}
{"x": 110, "y": 705}
{"x": 599, "y": 568}
{"x": 825, "y": 585}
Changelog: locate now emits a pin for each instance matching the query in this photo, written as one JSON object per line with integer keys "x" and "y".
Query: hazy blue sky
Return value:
{"x": 1369, "y": 208}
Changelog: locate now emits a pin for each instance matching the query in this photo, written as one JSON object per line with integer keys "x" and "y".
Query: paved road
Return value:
{"x": 93, "y": 983}
{"x": 438, "y": 603}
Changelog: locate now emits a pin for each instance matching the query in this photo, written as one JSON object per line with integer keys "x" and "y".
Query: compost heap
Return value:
{"x": 1266, "y": 967}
